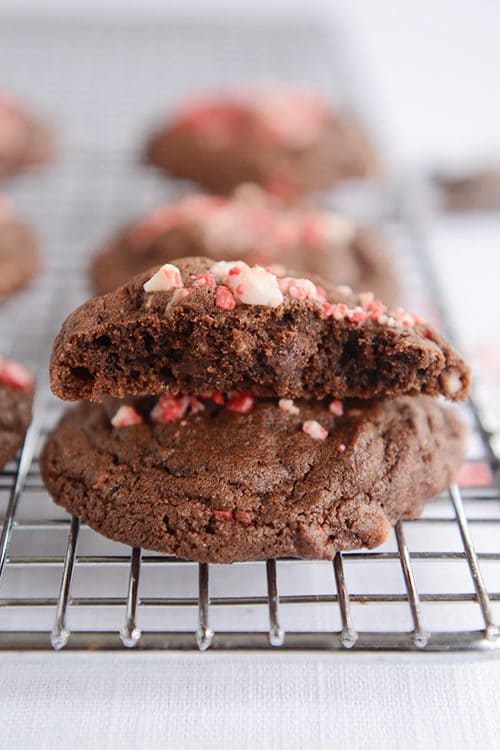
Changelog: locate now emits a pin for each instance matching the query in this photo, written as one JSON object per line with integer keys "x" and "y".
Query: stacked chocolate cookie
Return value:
{"x": 249, "y": 414}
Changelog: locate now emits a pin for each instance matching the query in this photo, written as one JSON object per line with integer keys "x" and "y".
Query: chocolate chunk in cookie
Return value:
{"x": 287, "y": 140}
{"x": 258, "y": 230}
{"x": 198, "y": 326}
{"x": 242, "y": 479}
{"x": 16, "y": 396}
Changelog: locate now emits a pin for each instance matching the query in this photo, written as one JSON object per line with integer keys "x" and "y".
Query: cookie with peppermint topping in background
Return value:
{"x": 16, "y": 396}
{"x": 170, "y": 329}
{"x": 19, "y": 252}
{"x": 256, "y": 229}
{"x": 287, "y": 139}
{"x": 24, "y": 140}
{"x": 227, "y": 478}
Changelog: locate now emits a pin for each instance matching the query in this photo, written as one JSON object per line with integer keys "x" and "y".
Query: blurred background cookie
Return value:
{"x": 24, "y": 140}
{"x": 287, "y": 139}
{"x": 19, "y": 253}
{"x": 257, "y": 229}
{"x": 474, "y": 190}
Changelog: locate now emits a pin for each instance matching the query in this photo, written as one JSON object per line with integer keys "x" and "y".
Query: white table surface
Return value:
{"x": 51, "y": 701}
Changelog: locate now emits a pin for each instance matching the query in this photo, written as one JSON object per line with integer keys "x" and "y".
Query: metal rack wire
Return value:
{"x": 432, "y": 587}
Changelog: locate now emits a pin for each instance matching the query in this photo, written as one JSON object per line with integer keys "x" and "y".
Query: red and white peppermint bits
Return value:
{"x": 204, "y": 279}
{"x": 167, "y": 278}
{"x": 313, "y": 428}
{"x": 287, "y": 405}
{"x": 15, "y": 375}
{"x": 169, "y": 409}
{"x": 242, "y": 403}
{"x": 224, "y": 298}
{"x": 336, "y": 407}
{"x": 126, "y": 416}
{"x": 341, "y": 448}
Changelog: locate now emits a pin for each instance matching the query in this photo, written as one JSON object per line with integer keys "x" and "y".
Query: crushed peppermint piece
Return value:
{"x": 286, "y": 404}
{"x": 341, "y": 448}
{"x": 126, "y": 416}
{"x": 195, "y": 405}
{"x": 357, "y": 315}
{"x": 14, "y": 374}
{"x": 167, "y": 278}
{"x": 298, "y": 288}
{"x": 314, "y": 429}
{"x": 366, "y": 298}
{"x": 242, "y": 403}
{"x": 336, "y": 407}
{"x": 253, "y": 286}
{"x": 344, "y": 289}
{"x": 452, "y": 383}
{"x": 224, "y": 298}
{"x": 220, "y": 270}
{"x": 204, "y": 279}
{"x": 170, "y": 409}
{"x": 218, "y": 398}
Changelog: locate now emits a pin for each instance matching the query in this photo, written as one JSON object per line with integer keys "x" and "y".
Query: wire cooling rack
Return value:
{"x": 433, "y": 586}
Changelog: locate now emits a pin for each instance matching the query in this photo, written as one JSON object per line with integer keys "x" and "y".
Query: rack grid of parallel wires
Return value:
{"x": 105, "y": 95}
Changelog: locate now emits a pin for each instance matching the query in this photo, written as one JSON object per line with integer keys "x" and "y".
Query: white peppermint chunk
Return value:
{"x": 255, "y": 286}
{"x": 167, "y": 278}
{"x": 220, "y": 270}
{"x": 452, "y": 383}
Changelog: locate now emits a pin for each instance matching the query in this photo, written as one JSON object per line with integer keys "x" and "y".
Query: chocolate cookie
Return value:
{"x": 287, "y": 140}
{"x": 200, "y": 326}
{"x": 19, "y": 257}
{"x": 474, "y": 191}
{"x": 16, "y": 396}
{"x": 24, "y": 141}
{"x": 204, "y": 481}
{"x": 310, "y": 242}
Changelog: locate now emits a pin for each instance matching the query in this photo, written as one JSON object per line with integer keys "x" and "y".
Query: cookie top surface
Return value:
{"x": 19, "y": 254}
{"x": 200, "y": 326}
{"x": 24, "y": 141}
{"x": 288, "y": 140}
{"x": 216, "y": 483}
{"x": 16, "y": 395}
{"x": 259, "y": 230}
